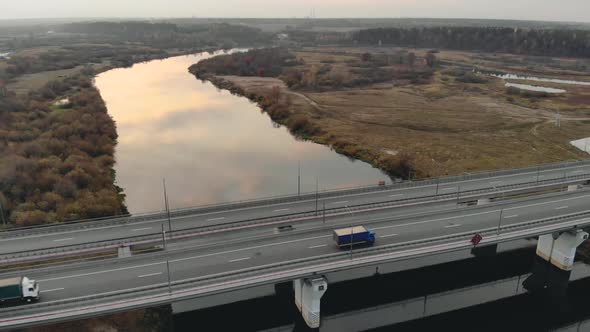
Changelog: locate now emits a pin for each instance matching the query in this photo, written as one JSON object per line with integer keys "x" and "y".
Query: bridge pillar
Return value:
{"x": 560, "y": 249}
{"x": 308, "y": 294}
{"x": 554, "y": 262}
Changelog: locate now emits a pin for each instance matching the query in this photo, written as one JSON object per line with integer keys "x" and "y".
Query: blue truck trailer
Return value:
{"x": 353, "y": 236}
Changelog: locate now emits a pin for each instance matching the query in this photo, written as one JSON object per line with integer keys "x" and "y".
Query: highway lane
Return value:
{"x": 46, "y": 240}
{"x": 62, "y": 283}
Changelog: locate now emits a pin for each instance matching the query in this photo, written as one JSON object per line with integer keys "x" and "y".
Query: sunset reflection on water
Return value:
{"x": 211, "y": 146}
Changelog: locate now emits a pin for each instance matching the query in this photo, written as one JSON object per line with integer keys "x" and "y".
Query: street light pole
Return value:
{"x": 316, "y": 195}
{"x": 437, "y": 183}
{"x": 163, "y": 237}
{"x": 2, "y": 214}
{"x": 500, "y": 222}
{"x": 324, "y": 214}
{"x": 167, "y": 206}
{"x": 299, "y": 179}
{"x": 351, "y": 231}
{"x": 168, "y": 272}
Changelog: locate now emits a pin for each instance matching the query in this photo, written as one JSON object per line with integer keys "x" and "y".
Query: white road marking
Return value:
{"x": 496, "y": 182}
{"x": 51, "y": 290}
{"x": 318, "y": 246}
{"x": 150, "y": 275}
{"x": 279, "y": 210}
{"x": 452, "y": 226}
{"x": 578, "y": 171}
{"x": 561, "y": 207}
{"x": 100, "y": 272}
{"x": 305, "y": 239}
{"x": 398, "y": 195}
{"x": 239, "y": 259}
{"x": 60, "y": 240}
{"x": 213, "y": 219}
{"x": 141, "y": 229}
{"x": 342, "y": 202}
{"x": 388, "y": 235}
{"x": 512, "y": 216}
{"x": 481, "y": 213}
{"x": 453, "y": 188}
{"x": 183, "y": 259}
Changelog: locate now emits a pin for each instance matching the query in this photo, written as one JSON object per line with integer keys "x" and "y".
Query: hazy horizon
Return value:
{"x": 564, "y": 11}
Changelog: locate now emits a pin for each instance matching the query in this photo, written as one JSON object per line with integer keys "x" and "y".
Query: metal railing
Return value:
{"x": 88, "y": 223}
{"x": 156, "y": 238}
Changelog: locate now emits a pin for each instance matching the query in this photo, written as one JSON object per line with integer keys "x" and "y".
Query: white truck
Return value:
{"x": 19, "y": 289}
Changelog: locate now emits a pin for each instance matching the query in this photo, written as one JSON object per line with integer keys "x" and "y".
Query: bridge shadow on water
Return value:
{"x": 521, "y": 313}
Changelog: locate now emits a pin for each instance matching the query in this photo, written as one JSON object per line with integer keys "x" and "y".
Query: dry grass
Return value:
{"x": 445, "y": 127}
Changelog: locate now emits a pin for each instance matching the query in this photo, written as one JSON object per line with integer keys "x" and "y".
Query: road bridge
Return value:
{"x": 252, "y": 257}
{"x": 397, "y": 200}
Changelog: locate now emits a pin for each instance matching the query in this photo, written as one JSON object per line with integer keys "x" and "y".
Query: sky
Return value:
{"x": 545, "y": 10}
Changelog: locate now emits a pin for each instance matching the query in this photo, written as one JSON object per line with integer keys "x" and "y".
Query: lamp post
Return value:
{"x": 163, "y": 237}
{"x": 298, "y": 179}
{"x": 2, "y": 214}
{"x": 316, "y": 195}
{"x": 351, "y": 231}
{"x": 437, "y": 183}
{"x": 167, "y": 206}
{"x": 168, "y": 273}
{"x": 500, "y": 222}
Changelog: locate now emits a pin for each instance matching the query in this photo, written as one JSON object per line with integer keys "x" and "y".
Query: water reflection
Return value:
{"x": 534, "y": 88}
{"x": 210, "y": 145}
{"x": 540, "y": 79}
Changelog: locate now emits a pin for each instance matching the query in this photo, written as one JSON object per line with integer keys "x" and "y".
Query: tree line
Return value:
{"x": 267, "y": 62}
{"x": 544, "y": 42}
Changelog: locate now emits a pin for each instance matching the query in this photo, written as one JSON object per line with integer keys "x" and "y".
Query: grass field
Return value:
{"x": 444, "y": 127}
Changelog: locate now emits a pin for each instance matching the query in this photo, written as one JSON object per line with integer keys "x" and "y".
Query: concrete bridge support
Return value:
{"x": 308, "y": 294}
{"x": 554, "y": 262}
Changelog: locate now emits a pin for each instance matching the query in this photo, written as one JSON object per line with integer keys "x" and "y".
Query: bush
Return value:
{"x": 470, "y": 77}
{"x": 300, "y": 124}
{"x": 30, "y": 218}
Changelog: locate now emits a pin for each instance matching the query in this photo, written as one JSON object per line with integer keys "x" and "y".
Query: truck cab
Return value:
{"x": 30, "y": 289}
{"x": 371, "y": 238}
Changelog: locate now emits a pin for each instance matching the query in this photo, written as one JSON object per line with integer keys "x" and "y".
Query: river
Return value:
{"x": 209, "y": 145}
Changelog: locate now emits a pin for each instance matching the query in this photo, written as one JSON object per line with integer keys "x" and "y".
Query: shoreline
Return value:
{"x": 345, "y": 149}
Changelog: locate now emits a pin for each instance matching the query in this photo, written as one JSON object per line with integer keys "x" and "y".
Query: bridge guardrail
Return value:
{"x": 201, "y": 230}
{"x": 88, "y": 223}
{"x": 179, "y": 287}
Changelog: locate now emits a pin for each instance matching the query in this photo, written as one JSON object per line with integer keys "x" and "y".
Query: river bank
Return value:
{"x": 210, "y": 145}
{"x": 294, "y": 111}
{"x": 414, "y": 123}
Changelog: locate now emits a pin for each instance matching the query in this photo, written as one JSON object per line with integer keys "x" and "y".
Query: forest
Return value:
{"x": 168, "y": 35}
{"x": 543, "y": 42}
{"x": 57, "y": 162}
{"x": 268, "y": 62}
